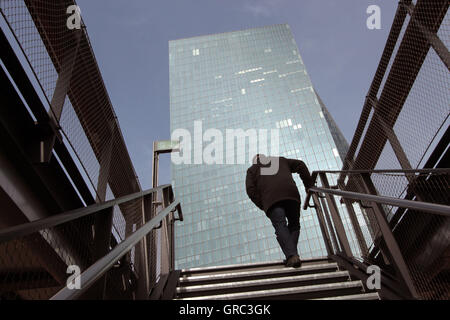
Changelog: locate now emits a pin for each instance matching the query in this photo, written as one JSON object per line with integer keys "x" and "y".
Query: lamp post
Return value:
{"x": 160, "y": 147}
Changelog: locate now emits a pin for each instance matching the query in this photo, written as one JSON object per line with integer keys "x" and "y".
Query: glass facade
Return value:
{"x": 246, "y": 79}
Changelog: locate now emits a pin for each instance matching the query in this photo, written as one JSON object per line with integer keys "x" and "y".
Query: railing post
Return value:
{"x": 368, "y": 219}
{"x": 102, "y": 238}
{"x": 330, "y": 225}
{"x": 394, "y": 252}
{"x": 343, "y": 241}
{"x": 168, "y": 197}
{"x": 172, "y": 242}
{"x": 143, "y": 283}
{"x": 164, "y": 247}
{"x": 150, "y": 213}
{"x": 356, "y": 227}
{"x": 323, "y": 226}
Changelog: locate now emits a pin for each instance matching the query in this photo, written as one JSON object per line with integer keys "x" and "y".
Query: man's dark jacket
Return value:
{"x": 266, "y": 190}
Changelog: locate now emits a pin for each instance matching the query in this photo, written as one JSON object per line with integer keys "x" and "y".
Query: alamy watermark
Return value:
{"x": 193, "y": 151}
{"x": 373, "y": 282}
{"x": 74, "y": 280}
{"x": 74, "y": 20}
{"x": 374, "y": 20}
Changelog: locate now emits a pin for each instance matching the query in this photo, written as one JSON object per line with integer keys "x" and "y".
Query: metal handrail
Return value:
{"x": 99, "y": 268}
{"x": 370, "y": 194}
{"x": 426, "y": 170}
{"x": 34, "y": 226}
{"x": 357, "y": 196}
{"x": 415, "y": 205}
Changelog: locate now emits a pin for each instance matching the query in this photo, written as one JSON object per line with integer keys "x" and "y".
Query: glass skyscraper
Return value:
{"x": 246, "y": 79}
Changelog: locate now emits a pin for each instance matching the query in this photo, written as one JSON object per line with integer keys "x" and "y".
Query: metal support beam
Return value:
{"x": 64, "y": 77}
{"x": 323, "y": 226}
{"x": 392, "y": 137}
{"x": 394, "y": 251}
{"x": 393, "y": 37}
{"x": 47, "y": 142}
{"x": 98, "y": 269}
{"x": 395, "y": 143}
{"x": 167, "y": 198}
{"x": 368, "y": 219}
{"x": 356, "y": 227}
{"x": 101, "y": 246}
{"x": 343, "y": 241}
{"x": 329, "y": 223}
{"x": 432, "y": 37}
{"x": 142, "y": 257}
{"x": 150, "y": 242}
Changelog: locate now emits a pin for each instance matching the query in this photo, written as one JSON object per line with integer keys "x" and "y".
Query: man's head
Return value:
{"x": 261, "y": 159}
{"x": 270, "y": 165}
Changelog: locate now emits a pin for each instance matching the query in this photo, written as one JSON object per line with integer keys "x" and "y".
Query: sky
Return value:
{"x": 130, "y": 41}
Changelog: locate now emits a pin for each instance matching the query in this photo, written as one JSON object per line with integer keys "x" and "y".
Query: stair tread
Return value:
{"x": 265, "y": 281}
{"x": 278, "y": 292}
{"x": 277, "y": 271}
{"x": 362, "y": 296}
{"x": 247, "y": 265}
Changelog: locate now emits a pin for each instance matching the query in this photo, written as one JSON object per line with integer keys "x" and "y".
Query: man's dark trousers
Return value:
{"x": 287, "y": 233}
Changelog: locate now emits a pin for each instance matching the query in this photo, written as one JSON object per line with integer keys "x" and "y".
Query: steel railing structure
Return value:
{"x": 411, "y": 250}
{"x": 399, "y": 217}
{"x": 37, "y": 258}
{"x": 80, "y": 117}
{"x": 406, "y": 110}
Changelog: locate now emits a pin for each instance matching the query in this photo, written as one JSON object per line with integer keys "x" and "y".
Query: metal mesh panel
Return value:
{"x": 404, "y": 117}
{"x": 65, "y": 67}
{"x": 421, "y": 236}
{"x": 407, "y": 107}
{"x": 35, "y": 266}
{"x": 416, "y": 126}
{"x": 20, "y": 20}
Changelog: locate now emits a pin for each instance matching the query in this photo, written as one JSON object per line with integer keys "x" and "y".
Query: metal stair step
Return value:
{"x": 261, "y": 284}
{"x": 362, "y": 296}
{"x": 257, "y": 274}
{"x": 303, "y": 292}
{"x": 246, "y": 266}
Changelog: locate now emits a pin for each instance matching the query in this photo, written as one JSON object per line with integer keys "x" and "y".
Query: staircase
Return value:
{"x": 315, "y": 279}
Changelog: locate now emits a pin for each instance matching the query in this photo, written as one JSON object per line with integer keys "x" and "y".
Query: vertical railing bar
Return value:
{"x": 322, "y": 224}
{"x": 343, "y": 240}
{"x": 331, "y": 228}
{"x": 389, "y": 239}
{"x": 356, "y": 227}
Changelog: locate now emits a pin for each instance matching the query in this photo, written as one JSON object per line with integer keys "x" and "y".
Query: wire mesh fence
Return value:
{"x": 422, "y": 237}
{"x": 40, "y": 263}
{"x": 406, "y": 109}
{"x": 404, "y": 118}
{"x": 63, "y": 62}
{"x": 35, "y": 266}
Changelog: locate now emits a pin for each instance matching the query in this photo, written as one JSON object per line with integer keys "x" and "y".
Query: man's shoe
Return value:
{"x": 294, "y": 261}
